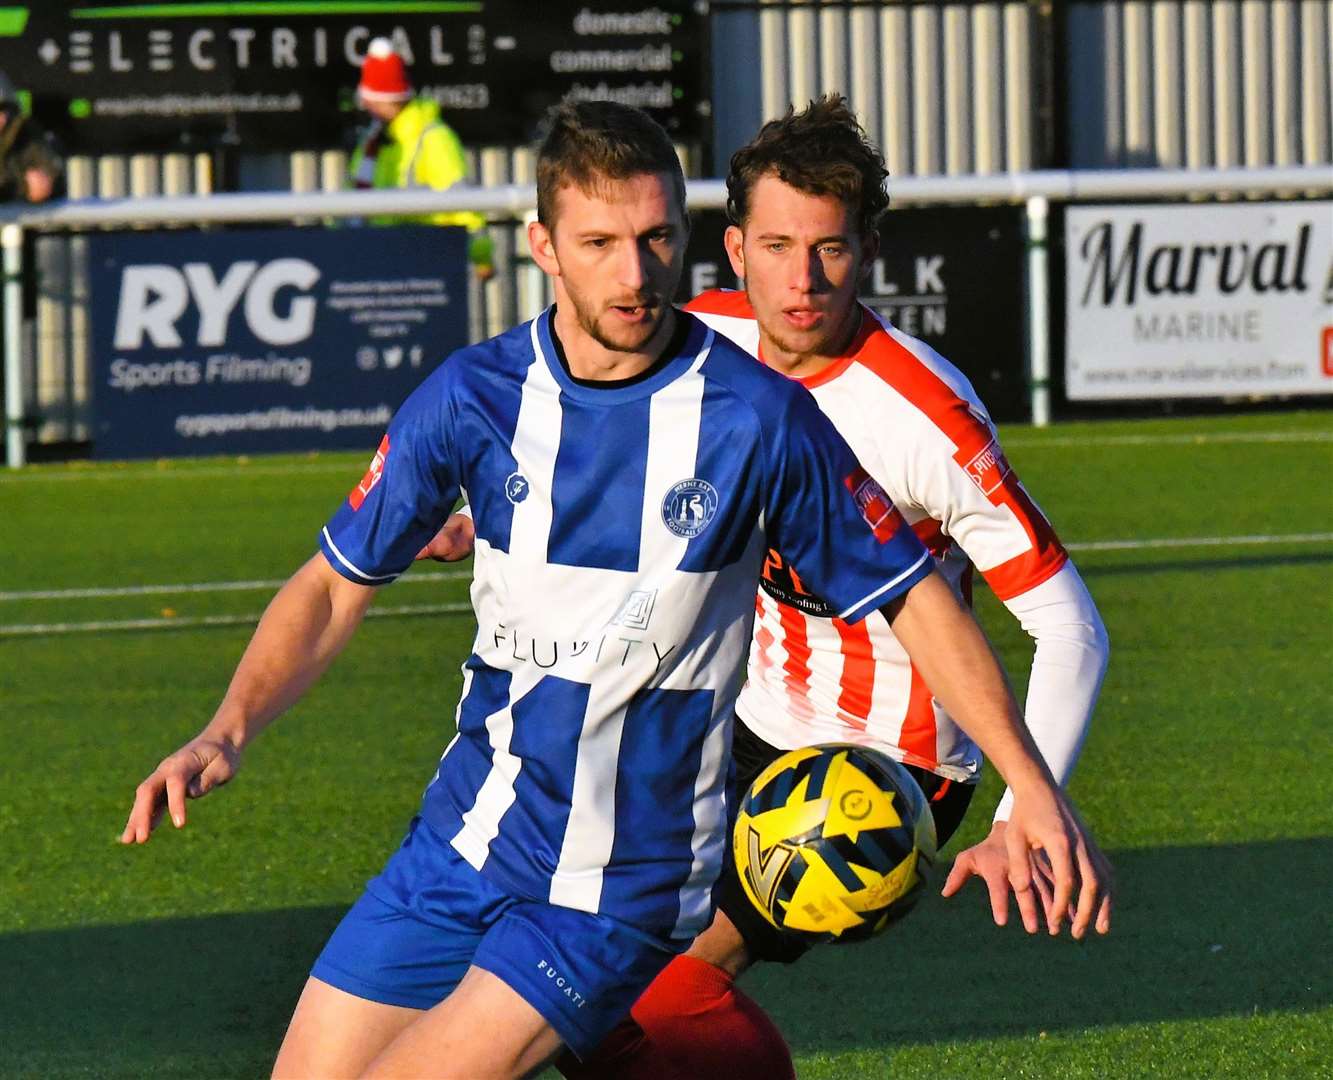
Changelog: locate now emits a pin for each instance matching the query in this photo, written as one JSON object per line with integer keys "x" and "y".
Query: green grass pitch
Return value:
{"x": 1206, "y": 778}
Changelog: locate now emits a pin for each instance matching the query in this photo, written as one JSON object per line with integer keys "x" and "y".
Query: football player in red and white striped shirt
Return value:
{"x": 806, "y": 197}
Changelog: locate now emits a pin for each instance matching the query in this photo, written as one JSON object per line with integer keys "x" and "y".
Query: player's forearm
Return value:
{"x": 305, "y": 626}
{"x": 1069, "y": 661}
{"x": 955, "y": 660}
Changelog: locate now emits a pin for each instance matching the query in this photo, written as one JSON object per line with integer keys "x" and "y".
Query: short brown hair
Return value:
{"x": 821, "y": 150}
{"x": 590, "y": 141}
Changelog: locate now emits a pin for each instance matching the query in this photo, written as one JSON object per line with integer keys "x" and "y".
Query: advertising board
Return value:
{"x": 1199, "y": 301}
{"x": 266, "y": 340}
{"x": 951, "y": 276}
{"x": 116, "y": 76}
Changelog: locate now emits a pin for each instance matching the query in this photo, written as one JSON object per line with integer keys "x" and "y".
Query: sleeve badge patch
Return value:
{"x": 372, "y": 477}
{"x": 988, "y": 469}
{"x": 875, "y": 506}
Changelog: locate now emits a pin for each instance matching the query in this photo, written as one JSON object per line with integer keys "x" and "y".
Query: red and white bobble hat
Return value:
{"x": 383, "y": 75}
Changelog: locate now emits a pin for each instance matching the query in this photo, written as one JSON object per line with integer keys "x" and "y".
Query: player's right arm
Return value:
{"x": 955, "y": 660}
{"x": 305, "y": 626}
{"x": 400, "y": 503}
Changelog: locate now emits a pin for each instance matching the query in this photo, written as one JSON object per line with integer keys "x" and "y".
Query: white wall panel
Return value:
{"x": 895, "y": 130}
{"x": 1019, "y": 98}
{"x": 1316, "y": 45}
{"x": 1200, "y": 82}
{"x": 933, "y": 83}
{"x": 1168, "y": 83}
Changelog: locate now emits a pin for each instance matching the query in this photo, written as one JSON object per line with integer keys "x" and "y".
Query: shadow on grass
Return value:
{"x": 207, "y": 996}
{"x": 1200, "y": 932}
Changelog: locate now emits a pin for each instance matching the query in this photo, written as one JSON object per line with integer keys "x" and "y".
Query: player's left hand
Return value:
{"x": 1054, "y": 863}
{"x": 989, "y": 861}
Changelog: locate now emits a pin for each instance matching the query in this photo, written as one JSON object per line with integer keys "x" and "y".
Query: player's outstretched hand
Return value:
{"x": 1053, "y": 867}
{"x": 191, "y": 772}
{"x": 1055, "y": 856}
{"x": 988, "y": 860}
{"x": 454, "y": 541}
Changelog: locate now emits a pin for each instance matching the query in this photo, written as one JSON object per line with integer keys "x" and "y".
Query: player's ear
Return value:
{"x": 733, "y": 240}
{"x": 541, "y": 242}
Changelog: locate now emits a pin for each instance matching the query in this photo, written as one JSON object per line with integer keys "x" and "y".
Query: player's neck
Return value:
{"x": 591, "y": 361}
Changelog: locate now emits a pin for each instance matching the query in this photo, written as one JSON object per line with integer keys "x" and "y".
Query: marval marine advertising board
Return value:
{"x": 1199, "y": 301}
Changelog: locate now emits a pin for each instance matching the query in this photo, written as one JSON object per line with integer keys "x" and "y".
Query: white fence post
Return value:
{"x": 1038, "y": 291}
{"x": 11, "y": 240}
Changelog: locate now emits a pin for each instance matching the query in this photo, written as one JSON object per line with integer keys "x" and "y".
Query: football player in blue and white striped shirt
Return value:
{"x": 627, "y": 470}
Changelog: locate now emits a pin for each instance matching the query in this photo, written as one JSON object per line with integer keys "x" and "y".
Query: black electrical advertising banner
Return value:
{"x": 271, "y": 340}
{"x": 951, "y": 276}
{"x": 117, "y": 76}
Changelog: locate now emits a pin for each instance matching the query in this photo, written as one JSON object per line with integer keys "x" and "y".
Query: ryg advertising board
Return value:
{"x": 1199, "y": 301}
{"x": 271, "y": 340}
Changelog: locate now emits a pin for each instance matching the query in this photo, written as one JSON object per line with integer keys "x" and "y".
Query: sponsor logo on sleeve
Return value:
{"x": 875, "y": 506}
{"x": 372, "y": 477}
{"x": 516, "y": 487}
{"x": 988, "y": 469}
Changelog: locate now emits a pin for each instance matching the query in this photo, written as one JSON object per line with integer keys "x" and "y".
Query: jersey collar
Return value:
{"x": 695, "y": 344}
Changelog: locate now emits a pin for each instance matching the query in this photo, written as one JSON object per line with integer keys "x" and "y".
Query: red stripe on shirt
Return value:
{"x": 763, "y": 636}
{"x": 931, "y": 533}
{"x": 917, "y": 737}
{"x": 978, "y": 453}
{"x": 856, "y": 688}
{"x": 797, "y": 664}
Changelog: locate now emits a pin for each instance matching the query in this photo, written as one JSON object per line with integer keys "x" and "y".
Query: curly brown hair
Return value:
{"x": 590, "y": 141}
{"x": 821, "y": 150}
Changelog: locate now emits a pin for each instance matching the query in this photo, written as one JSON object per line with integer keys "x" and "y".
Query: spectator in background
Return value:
{"x": 30, "y": 166}
{"x": 409, "y": 146}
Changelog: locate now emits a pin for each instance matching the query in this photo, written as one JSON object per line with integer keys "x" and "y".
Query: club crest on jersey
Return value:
{"x": 689, "y": 507}
{"x": 988, "y": 469}
{"x": 875, "y": 506}
{"x": 372, "y": 477}
{"x": 516, "y": 487}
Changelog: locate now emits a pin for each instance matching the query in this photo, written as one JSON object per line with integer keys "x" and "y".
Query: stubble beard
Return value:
{"x": 801, "y": 348}
{"x": 588, "y": 320}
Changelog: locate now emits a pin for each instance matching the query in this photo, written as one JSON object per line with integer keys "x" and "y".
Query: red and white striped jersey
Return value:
{"x": 918, "y": 427}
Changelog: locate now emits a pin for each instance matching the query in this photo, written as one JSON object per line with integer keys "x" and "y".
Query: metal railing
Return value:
{"x": 1035, "y": 189}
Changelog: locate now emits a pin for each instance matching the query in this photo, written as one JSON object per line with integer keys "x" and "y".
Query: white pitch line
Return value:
{"x": 42, "y": 474}
{"x": 1204, "y": 439}
{"x": 39, "y": 473}
{"x": 1201, "y": 541}
{"x": 466, "y": 575}
{"x": 200, "y": 587}
{"x": 45, "y": 629}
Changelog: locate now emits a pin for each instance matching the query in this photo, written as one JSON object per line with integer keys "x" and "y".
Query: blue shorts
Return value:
{"x": 429, "y": 915}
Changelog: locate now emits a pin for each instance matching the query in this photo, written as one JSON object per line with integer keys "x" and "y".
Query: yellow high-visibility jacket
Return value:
{"x": 418, "y": 150}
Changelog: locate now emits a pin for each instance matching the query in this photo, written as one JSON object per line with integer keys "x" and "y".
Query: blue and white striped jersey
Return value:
{"x": 620, "y": 535}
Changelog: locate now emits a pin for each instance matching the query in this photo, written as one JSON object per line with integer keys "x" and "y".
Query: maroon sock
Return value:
{"x": 694, "y": 1017}
{"x": 690, "y": 1024}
